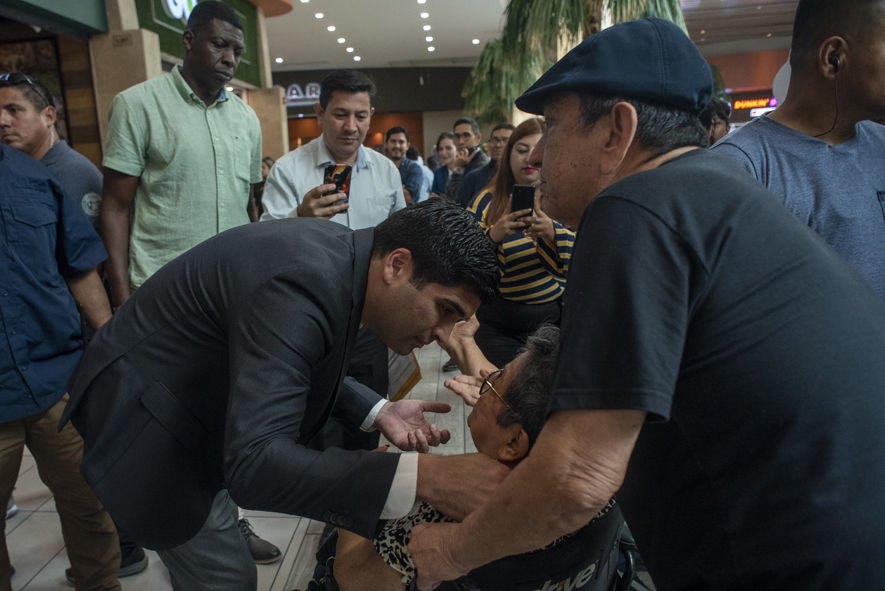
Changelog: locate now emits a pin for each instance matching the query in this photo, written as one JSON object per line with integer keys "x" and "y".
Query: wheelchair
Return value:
{"x": 601, "y": 556}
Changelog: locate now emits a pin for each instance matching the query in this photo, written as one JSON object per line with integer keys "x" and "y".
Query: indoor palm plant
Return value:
{"x": 537, "y": 33}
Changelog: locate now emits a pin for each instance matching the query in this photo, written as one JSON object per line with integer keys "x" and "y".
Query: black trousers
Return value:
{"x": 504, "y": 327}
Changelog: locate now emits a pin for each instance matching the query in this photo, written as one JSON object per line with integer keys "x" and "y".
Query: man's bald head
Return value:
{"x": 818, "y": 20}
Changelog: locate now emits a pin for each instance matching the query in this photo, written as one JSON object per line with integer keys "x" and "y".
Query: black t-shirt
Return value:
{"x": 759, "y": 355}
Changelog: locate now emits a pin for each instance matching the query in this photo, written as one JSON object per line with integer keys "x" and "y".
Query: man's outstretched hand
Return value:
{"x": 403, "y": 424}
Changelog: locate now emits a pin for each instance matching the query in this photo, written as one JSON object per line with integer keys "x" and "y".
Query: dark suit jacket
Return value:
{"x": 453, "y": 186}
{"x": 474, "y": 182}
{"x": 216, "y": 373}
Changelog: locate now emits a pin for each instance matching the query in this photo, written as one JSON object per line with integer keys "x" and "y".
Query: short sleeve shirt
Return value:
{"x": 81, "y": 178}
{"x": 376, "y": 190}
{"x": 757, "y": 352}
{"x": 195, "y": 164}
{"x": 839, "y": 191}
{"x": 45, "y": 238}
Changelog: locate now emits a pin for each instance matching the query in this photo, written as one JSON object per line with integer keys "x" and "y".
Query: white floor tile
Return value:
{"x": 290, "y": 556}
{"x": 28, "y": 463}
{"x": 51, "y": 576}
{"x": 32, "y": 546}
{"x": 30, "y": 493}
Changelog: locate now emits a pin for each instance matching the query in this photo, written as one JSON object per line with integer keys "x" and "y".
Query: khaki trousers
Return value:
{"x": 89, "y": 533}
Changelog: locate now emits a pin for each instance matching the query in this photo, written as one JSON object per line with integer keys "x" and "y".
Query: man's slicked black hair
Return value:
{"x": 661, "y": 128}
{"x": 207, "y": 11}
{"x": 447, "y": 245}
{"x": 350, "y": 81}
{"x": 396, "y": 129}
{"x": 469, "y": 121}
{"x": 412, "y": 153}
{"x": 818, "y": 20}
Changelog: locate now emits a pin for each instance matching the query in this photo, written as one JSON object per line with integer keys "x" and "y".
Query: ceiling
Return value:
{"x": 389, "y": 33}
{"x": 739, "y": 26}
{"x": 383, "y": 33}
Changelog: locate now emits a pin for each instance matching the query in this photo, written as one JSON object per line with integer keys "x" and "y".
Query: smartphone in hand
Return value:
{"x": 523, "y": 198}
{"x": 340, "y": 176}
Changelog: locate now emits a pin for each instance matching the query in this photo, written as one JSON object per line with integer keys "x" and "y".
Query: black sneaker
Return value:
{"x": 262, "y": 551}
{"x": 132, "y": 564}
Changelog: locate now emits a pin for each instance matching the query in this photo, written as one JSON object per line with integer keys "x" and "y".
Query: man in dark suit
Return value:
{"x": 219, "y": 369}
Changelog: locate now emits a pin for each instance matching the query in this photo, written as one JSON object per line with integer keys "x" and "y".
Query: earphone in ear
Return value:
{"x": 835, "y": 62}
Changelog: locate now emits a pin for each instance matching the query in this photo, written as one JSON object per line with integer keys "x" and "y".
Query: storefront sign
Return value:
{"x": 295, "y": 97}
{"x": 761, "y": 111}
{"x": 179, "y": 9}
{"x": 756, "y": 103}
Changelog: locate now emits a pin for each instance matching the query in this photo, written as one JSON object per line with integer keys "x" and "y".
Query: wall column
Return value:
{"x": 269, "y": 103}
{"x": 126, "y": 56}
{"x": 270, "y": 106}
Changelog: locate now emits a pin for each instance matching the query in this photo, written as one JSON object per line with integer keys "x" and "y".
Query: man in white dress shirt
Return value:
{"x": 295, "y": 186}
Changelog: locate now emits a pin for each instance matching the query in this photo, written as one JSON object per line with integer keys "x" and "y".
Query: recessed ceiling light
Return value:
{"x": 356, "y": 58}
{"x": 229, "y": 88}
{"x": 431, "y": 48}
{"x": 476, "y": 41}
{"x": 340, "y": 39}
{"x": 330, "y": 28}
{"x": 279, "y": 60}
{"x": 769, "y": 35}
{"x": 421, "y": 1}
{"x": 350, "y": 50}
{"x": 703, "y": 32}
{"x": 425, "y": 14}
{"x": 703, "y": 38}
{"x": 426, "y": 27}
{"x": 428, "y": 39}
{"x": 319, "y": 15}
{"x": 305, "y": 1}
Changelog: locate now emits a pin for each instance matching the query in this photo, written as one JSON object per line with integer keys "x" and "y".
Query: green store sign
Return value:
{"x": 168, "y": 19}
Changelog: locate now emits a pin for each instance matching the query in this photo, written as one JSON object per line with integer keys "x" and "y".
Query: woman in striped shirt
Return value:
{"x": 533, "y": 253}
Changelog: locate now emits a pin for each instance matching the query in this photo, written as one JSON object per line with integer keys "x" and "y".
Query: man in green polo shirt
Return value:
{"x": 183, "y": 151}
{"x": 185, "y": 155}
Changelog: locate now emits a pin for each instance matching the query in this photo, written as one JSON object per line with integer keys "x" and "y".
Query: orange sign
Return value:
{"x": 755, "y": 103}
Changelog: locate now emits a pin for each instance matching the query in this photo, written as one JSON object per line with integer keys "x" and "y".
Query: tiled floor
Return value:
{"x": 37, "y": 549}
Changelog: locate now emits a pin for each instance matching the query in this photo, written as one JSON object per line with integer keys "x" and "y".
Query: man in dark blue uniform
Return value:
{"x": 48, "y": 253}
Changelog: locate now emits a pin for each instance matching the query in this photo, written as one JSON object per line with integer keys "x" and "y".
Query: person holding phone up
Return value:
{"x": 533, "y": 251}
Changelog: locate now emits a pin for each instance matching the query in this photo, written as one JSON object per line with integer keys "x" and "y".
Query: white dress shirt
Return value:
{"x": 376, "y": 190}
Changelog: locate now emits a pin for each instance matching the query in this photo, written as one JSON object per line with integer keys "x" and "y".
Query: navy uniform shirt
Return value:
{"x": 44, "y": 239}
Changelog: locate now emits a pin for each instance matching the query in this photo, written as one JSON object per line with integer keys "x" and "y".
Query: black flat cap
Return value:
{"x": 649, "y": 58}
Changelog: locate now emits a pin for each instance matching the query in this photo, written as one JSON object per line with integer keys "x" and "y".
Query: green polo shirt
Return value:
{"x": 195, "y": 162}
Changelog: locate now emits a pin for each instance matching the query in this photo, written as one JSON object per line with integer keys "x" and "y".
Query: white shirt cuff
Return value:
{"x": 370, "y": 418}
{"x": 401, "y": 498}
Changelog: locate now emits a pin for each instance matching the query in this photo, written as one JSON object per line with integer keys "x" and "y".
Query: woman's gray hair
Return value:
{"x": 529, "y": 391}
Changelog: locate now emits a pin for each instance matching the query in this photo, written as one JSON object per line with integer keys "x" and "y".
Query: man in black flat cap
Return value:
{"x": 720, "y": 368}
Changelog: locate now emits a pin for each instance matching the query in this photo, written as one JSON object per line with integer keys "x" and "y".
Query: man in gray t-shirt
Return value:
{"x": 839, "y": 191}
{"x": 817, "y": 151}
